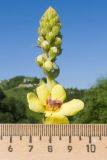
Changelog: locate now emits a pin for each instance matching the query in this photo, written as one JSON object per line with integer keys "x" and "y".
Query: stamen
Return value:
{"x": 54, "y": 104}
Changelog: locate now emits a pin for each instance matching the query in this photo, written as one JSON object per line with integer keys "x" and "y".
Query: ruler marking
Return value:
{"x": 30, "y": 139}
{"x": 106, "y": 130}
{"x": 20, "y": 137}
{"x": 60, "y": 137}
{"x": 46, "y": 131}
{"x": 70, "y": 140}
{"x": 3, "y": 129}
{"x": 1, "y": 137}
{"x": 50, "y": 139}
{"x": 77, "y": 130}
{"x": 100, "y": 137}
{"x": 40, "y": 137}
{"x": 11, "y": 139}
{"x": 80, "y": 138}
{"x": 43, "y": 130}
{"x": 94, "y": 130}
{"x": 90, "y": 139}
{"x": 62, "y": 129}
{"x": 33, "y": 129}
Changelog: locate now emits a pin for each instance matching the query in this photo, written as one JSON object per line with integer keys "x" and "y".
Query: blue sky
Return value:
{"x": 84, "y": 29}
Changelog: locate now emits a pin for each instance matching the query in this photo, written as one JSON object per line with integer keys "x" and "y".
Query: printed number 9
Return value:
{"x": 69, "y": 148}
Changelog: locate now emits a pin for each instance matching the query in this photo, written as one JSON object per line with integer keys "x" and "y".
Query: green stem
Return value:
{"x": 50, "y": 82}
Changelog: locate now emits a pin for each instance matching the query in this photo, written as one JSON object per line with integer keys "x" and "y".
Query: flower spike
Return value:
{"x": 49, "y": 97}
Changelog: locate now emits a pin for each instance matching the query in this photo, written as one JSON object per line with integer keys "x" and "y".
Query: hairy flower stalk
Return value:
{"x": 49, "y": 97}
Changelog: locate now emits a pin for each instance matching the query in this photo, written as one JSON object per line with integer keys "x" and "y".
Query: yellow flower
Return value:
{"x": 51, "y": 103}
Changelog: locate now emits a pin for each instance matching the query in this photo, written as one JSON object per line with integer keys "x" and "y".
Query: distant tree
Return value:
{"x": 13, "y": 107}
{"x": 20, "y": 111}
{"x": 95, "y": 100}
{"x": 13, "y": 82}
{"x": 2, "y": 95}
{"x": 6, "y": 117}
{"x": 74, "y": 93}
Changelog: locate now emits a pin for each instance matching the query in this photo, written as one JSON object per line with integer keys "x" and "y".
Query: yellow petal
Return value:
{"x": 71, "y": 108}
{"x": 56, "y": 119}
{"x": 43, "y": 93}
{"x": 34, "y": 103}
{"x": 58, "y": 93}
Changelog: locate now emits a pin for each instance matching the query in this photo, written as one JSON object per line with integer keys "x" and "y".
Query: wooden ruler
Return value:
{"x": 53, "y": 142}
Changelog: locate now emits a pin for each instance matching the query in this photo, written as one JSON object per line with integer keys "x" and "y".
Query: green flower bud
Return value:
{"x": 40, "y": 60}
{"x": 42, "y": 31}
{"x": 48, "y": 27}
{"x": 54, "y": 72}
{"x": 42, "y": 23}
{"x": 50, "y": 37}
{"x": 54, "y": 21}
{"x": 57, "y": 19}
{"x": 50, "y": 13}
{"x": 48, "y": 65}
{"x": 45, "y": 45}
{"x": 58, "y": 41}
{"x": 40, "y": 39}
{"x": 59, "y": 25}
{"x": 53, "y": 52}
{"x": 55, "y": 30}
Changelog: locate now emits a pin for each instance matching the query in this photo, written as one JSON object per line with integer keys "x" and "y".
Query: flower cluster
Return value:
{"x": 49, "y": 97}
{"x": 50, "y": 41}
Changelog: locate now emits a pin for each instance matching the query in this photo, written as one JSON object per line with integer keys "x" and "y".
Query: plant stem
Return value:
{"x": 50, "y": 82}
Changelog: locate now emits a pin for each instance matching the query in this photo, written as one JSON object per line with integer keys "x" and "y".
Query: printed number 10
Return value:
{"x": 91, "y": 148}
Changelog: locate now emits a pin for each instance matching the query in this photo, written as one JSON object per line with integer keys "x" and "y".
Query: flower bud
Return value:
{"x": 59, "y": 25}
{"x": 40, "y": 60}
{"x": 40, "y": 39}
{"x": 50, "y": 13}
{"x": 53, "y": 22}
{"x": 42, "y": 23}
{"x": 48, "y": 27}
{"x": 48, "y": 65}
{"x": 56, "y": 19}
{"x": 45, "y": 45}
{"x": 42, "y": 31}
{"x": 58, "y": 41}
{"x": 55, "y": 30}
{"x": 50, "y": 37}
{"x": 55, "y": 71}
{"x": 53, "y": 52}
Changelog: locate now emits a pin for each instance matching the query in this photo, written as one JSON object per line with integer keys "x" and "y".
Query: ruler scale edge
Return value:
{"x": 53, "y": 130}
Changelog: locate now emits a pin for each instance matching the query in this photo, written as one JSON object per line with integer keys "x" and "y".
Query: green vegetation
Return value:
{"x": 95, "y": 99}
{"x": 13, "y": 103}
{"x": 14, "y": 108}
